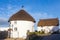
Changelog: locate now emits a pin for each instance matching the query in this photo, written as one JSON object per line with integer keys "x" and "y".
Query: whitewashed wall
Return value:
{"x": 59, "y": 24}
{"x": 48, "y": 28}
{"x": 22, "y": 27}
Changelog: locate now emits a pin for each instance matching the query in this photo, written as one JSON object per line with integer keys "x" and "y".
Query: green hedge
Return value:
{"x": 39, "y": 32}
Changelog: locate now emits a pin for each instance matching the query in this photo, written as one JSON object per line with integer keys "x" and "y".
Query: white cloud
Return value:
{"x": 6, "y": 13}
{"x": 1, "y": 8}
{"x": 39, "y": 16}
{"x": 9, "y": 7}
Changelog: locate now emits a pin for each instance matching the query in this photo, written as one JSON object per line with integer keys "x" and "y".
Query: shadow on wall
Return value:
{"x": 3, "y": 34}
{"x": 55, "y": 30}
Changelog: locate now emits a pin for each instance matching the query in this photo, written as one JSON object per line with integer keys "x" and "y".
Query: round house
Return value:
{"x": 20, "y": 23}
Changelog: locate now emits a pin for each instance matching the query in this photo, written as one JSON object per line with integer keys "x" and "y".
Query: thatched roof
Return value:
{"x": 49, "y": 22}
{"x": 21, "y": 15}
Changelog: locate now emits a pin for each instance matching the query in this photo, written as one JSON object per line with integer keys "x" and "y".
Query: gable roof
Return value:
{"x": 49, "y": 22}
{"x": 21, "y": 15}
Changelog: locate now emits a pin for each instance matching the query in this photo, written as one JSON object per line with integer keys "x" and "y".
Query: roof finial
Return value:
{"x": 22, "y": 7}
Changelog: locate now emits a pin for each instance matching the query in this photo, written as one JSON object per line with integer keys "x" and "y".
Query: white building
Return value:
{"x": 59, "y": 24}
{"x": 48, "y": 25}
{"x": 20, "y": 23}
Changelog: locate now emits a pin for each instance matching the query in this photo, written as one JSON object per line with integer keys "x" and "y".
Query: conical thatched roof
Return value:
{"x": 49, "y": 22}
{"x": 21, "y": 15}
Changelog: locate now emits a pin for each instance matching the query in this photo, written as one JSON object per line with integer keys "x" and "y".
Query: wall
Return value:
{"x": 59, "y": 24}
{"x": 48, "y": 28}
{"x": 22, "y": 27}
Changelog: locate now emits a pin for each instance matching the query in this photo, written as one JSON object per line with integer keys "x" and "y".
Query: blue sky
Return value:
{"x": 39, "y": 9}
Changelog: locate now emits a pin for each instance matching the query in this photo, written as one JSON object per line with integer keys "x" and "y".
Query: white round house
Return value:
{"x": 20, "y": 23}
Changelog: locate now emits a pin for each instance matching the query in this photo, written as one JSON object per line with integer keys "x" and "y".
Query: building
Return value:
{"x": 48, "y": 25}
{"x": 20, "y": 23}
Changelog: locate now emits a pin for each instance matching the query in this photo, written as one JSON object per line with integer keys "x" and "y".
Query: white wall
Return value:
{"x": 22, "y": 27}
{"x": 59, "y": 24}
{"x": 48, "y": 28}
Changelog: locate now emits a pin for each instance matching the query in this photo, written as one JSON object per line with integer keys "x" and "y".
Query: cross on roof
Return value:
{"x": 22, "y": 6}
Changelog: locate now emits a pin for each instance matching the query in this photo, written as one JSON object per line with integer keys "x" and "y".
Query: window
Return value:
{"x": 12, "y": 25}
{"x": 15, "y": 29}
{"x": 15, "y": 22}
